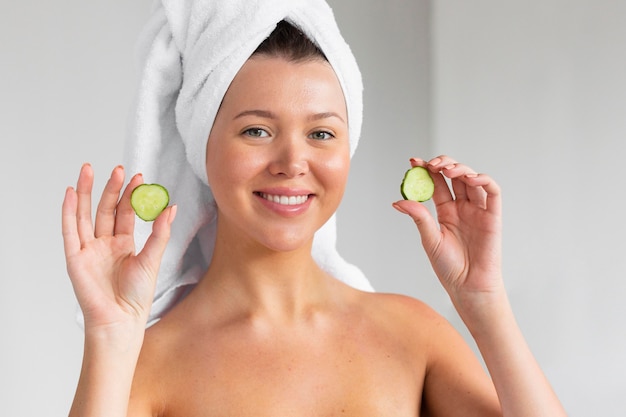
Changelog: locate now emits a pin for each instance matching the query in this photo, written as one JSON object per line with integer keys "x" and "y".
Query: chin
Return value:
{"x": 288, "y": 246}
{"x": 288, "y": 242}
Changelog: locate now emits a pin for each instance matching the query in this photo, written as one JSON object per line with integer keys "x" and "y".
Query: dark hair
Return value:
{"x": 287, "y": 41}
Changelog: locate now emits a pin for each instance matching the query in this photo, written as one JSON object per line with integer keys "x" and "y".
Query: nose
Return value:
{"x": 289, "y": 157}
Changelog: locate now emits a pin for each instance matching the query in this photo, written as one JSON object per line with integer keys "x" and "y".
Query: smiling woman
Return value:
{"x": 296, "y": 147}
{"x": 250, "y": 311}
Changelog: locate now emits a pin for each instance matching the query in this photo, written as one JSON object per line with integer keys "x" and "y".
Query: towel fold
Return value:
{"x": 190, "y": 51}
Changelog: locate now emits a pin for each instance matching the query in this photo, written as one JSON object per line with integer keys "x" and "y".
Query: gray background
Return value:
{"x": 533, "y": 93}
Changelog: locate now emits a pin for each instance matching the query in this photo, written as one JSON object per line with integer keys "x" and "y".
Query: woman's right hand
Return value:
{"x": 113, "y": 285}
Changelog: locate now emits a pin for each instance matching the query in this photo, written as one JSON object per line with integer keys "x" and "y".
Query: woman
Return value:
{"x": 267, "y": 331}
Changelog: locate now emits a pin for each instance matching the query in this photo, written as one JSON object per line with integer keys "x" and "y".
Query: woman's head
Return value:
{"x": 279, "y": 151}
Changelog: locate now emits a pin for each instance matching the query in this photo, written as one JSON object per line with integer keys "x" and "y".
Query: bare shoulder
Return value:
{"x": 412, "y": 323}
{"x": 402, "y": 311}
{"x": 419, "y": 324}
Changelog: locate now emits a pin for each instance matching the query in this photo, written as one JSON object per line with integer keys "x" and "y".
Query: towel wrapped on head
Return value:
{"x": 190, "y": 51}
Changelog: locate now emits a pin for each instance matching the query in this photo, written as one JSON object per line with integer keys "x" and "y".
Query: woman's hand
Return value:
{"x": 465, "y": 252}
{"x": 464, "y": 245}
{"x": 113, "y": 285}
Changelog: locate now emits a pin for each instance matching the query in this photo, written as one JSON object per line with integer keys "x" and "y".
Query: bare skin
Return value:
{"x": 267, "y": 332}
{"x": 352, "y": 354}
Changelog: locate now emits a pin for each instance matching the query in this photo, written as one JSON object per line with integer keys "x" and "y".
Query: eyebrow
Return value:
{"x": 260, "y": 113}
{"x": 269, "y": 115}
{"x": 325, "y": 115}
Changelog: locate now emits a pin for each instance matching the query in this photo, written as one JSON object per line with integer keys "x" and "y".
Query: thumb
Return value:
{"x": 425, "y": 222}
{"x": 157, "y": 241}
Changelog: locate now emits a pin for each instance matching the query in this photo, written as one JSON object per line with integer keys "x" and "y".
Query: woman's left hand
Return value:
{"x": 464, "y": 243}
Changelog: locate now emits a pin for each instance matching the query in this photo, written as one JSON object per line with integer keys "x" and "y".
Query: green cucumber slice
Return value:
{"x": 417, "y": 185}
{"x": 149, "y": 200}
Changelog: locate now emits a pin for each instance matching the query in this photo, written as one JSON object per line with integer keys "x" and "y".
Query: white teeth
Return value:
{"x": 286, "y": 200}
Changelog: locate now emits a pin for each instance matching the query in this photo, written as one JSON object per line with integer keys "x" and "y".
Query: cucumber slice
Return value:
{"x": 149, "y": 200}
{"x": 417, "y": 185}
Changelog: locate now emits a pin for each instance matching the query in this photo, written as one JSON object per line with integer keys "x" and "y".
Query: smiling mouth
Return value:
{"x": 292, "y": 200}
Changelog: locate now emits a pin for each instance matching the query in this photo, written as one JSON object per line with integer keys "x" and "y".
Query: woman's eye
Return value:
{"x": 255, "y": 132}
{"x": 321, "y": 135}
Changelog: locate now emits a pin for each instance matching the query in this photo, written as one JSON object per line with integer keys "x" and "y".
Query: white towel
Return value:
{"x": 190, "y": 52}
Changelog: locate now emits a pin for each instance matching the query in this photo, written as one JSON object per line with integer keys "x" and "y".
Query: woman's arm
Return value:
{"x": 464, "y": 248}
{"x": 522, "y": 388}
{"x": 106, "y": 377}
{"x": 113, "y": 285}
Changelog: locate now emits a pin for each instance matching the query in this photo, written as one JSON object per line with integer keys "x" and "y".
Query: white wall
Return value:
{"x": 535, "y": 94}
{"x": 531, "y": 94}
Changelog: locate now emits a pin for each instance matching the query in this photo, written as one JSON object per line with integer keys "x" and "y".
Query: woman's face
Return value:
{"x": 278, "y": 154}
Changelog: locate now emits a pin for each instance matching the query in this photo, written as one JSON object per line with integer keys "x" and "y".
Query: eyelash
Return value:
{"x": 328, "y": 135}
{"x": 248, "y": 132}
{"x": 259, "y": 133}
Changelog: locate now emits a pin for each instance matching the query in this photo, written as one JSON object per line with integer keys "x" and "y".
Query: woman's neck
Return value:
{"x": 251, "y": 280}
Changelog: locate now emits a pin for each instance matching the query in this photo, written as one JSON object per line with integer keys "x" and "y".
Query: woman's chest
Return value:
{"x": 316, "y": 393}
{"x": 375, "y": 379}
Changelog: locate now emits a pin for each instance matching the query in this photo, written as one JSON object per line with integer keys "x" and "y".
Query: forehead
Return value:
{"x": 274, "y": 81}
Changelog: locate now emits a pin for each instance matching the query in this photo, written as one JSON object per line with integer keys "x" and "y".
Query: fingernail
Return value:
{"x": 449, "y": 166}
{"x": 400, "y": 209}
{"x": 172, "y": 214}
{"x": 435, "y": 162}
{"x": 116, "y": 168}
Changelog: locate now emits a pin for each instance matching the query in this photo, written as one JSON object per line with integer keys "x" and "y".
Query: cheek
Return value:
{"x": 229, "y": 167}
{"x": 336, "y": 170}
{"x": 219, "y": 169}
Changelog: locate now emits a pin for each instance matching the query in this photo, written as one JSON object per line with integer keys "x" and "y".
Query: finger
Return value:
{"x": 425, "y": 222}
{"x": 440, "y": 162}
{"x": 463, "y": 187}
{"x": 456, "y": 172}
{"x": 156, "y": 243}
{"x": 418, "y": 162}
{"x": 69, "y": 230}
{"x": 83, "y": 211}
{"x": 105, "y": 213}
{"x": 476, "y": 194}
{"x": 493, "y": 198}
{"x": 479, "y": 189}
{"x": 125, "y": 218}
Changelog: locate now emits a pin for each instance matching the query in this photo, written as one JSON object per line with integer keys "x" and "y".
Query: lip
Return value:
{"x": 288, "y": 210}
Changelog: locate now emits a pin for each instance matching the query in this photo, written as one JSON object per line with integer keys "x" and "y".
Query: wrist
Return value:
{"x": 115, "y": 338}
{"x": 482, "y": 311}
